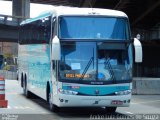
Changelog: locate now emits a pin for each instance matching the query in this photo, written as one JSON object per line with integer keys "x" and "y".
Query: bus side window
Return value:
{"x": 23, "y": 36}
{"x": 46, "y": 29}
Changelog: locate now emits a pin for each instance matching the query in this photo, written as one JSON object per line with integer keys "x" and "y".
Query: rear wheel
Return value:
{"x": 110, "y": 109}
{"x": 22, "y": 82}
{"x": 27, "y": 93}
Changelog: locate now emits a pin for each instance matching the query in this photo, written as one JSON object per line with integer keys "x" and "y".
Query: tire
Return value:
{"x": 27, "y": 93}
{"x": 52, "y": 107}
{"x": 22, "y": 82}
{"x": 110, "y": 110}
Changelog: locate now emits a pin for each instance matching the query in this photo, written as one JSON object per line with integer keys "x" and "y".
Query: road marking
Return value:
{"x": 129, "y": 112}
{"x": 19, "y": 107}
{"x": 28, "y": 108}
{"x": 9, "y": 107}
{"x": 16, "y": 107}
{"x": 12, "y": 93}
{"x": 146, "y": 102}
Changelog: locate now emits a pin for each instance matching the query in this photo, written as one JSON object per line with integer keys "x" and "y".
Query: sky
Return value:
{"x": 35, "y": 9}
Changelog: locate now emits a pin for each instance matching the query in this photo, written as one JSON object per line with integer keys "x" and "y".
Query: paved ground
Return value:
{"x": 21, "y": 108}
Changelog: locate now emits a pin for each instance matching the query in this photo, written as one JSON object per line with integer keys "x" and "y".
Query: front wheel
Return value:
{"x": 110, "y": 109}
{"x": 52, "y": 107}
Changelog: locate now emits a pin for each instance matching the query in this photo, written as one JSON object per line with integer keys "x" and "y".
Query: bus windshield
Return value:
{"x": 95, "y": 61}
{"x": 91, "y": 27}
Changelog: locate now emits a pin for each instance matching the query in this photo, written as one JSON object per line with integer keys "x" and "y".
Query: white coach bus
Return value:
{"x": 78, "y": 57}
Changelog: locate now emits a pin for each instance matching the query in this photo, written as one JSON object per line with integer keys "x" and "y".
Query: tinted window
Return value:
{"x": 36, "y": 32}
{"x": 94, "y": 28}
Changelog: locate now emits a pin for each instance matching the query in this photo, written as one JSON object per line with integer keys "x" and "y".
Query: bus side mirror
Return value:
{"x": 138, "y": 50}
{"x": 55, "y": 48}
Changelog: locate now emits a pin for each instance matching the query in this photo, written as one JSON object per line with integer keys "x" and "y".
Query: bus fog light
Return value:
{"x": 61, "y": 100}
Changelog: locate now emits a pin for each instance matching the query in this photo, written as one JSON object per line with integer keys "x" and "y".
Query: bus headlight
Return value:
{"x": 67, "y": 92}
{"x": 126, "y": 92}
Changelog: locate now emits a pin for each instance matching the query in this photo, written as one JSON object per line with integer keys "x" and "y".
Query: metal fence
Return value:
{"x": 8, "y": 74}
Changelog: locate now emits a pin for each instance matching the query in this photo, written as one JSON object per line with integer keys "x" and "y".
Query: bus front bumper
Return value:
{"x": 62, "y": 100}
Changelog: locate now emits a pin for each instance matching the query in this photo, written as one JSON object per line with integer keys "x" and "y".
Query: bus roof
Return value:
{"x": 61, "y": 10}
{"x": 87, "y": 11}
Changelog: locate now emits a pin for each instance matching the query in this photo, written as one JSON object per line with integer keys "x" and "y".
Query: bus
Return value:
{"x": 78, "y": 57}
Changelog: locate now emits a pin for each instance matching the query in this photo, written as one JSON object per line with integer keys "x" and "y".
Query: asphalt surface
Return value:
{"x": 20, "y": 108}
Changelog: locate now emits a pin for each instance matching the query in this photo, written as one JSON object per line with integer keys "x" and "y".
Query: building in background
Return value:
{"x": 8, "y": 55}
{"x": 8, "y": 48}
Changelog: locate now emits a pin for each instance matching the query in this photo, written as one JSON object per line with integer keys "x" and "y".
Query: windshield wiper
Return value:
{"x": 88, "y": 65}
{"x": 107, "y": 63}
{"x": 86, "y": 68}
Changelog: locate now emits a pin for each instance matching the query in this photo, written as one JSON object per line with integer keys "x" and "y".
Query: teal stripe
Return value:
{"x": 103, "y": 90}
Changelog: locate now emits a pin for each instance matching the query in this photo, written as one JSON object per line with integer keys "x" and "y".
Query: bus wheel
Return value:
{"x": 27, "y": 93}
{"x": 52, "y": 107}
{"x": 110, "y": 110}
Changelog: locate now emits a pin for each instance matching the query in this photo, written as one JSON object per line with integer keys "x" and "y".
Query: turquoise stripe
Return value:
{"x": 103, "y": 90}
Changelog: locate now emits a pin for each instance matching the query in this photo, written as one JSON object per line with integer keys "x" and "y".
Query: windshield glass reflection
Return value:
{"x": 95, "y": 61}
{"x": 89, "y": 27}
{"x": 77, "y": 59}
